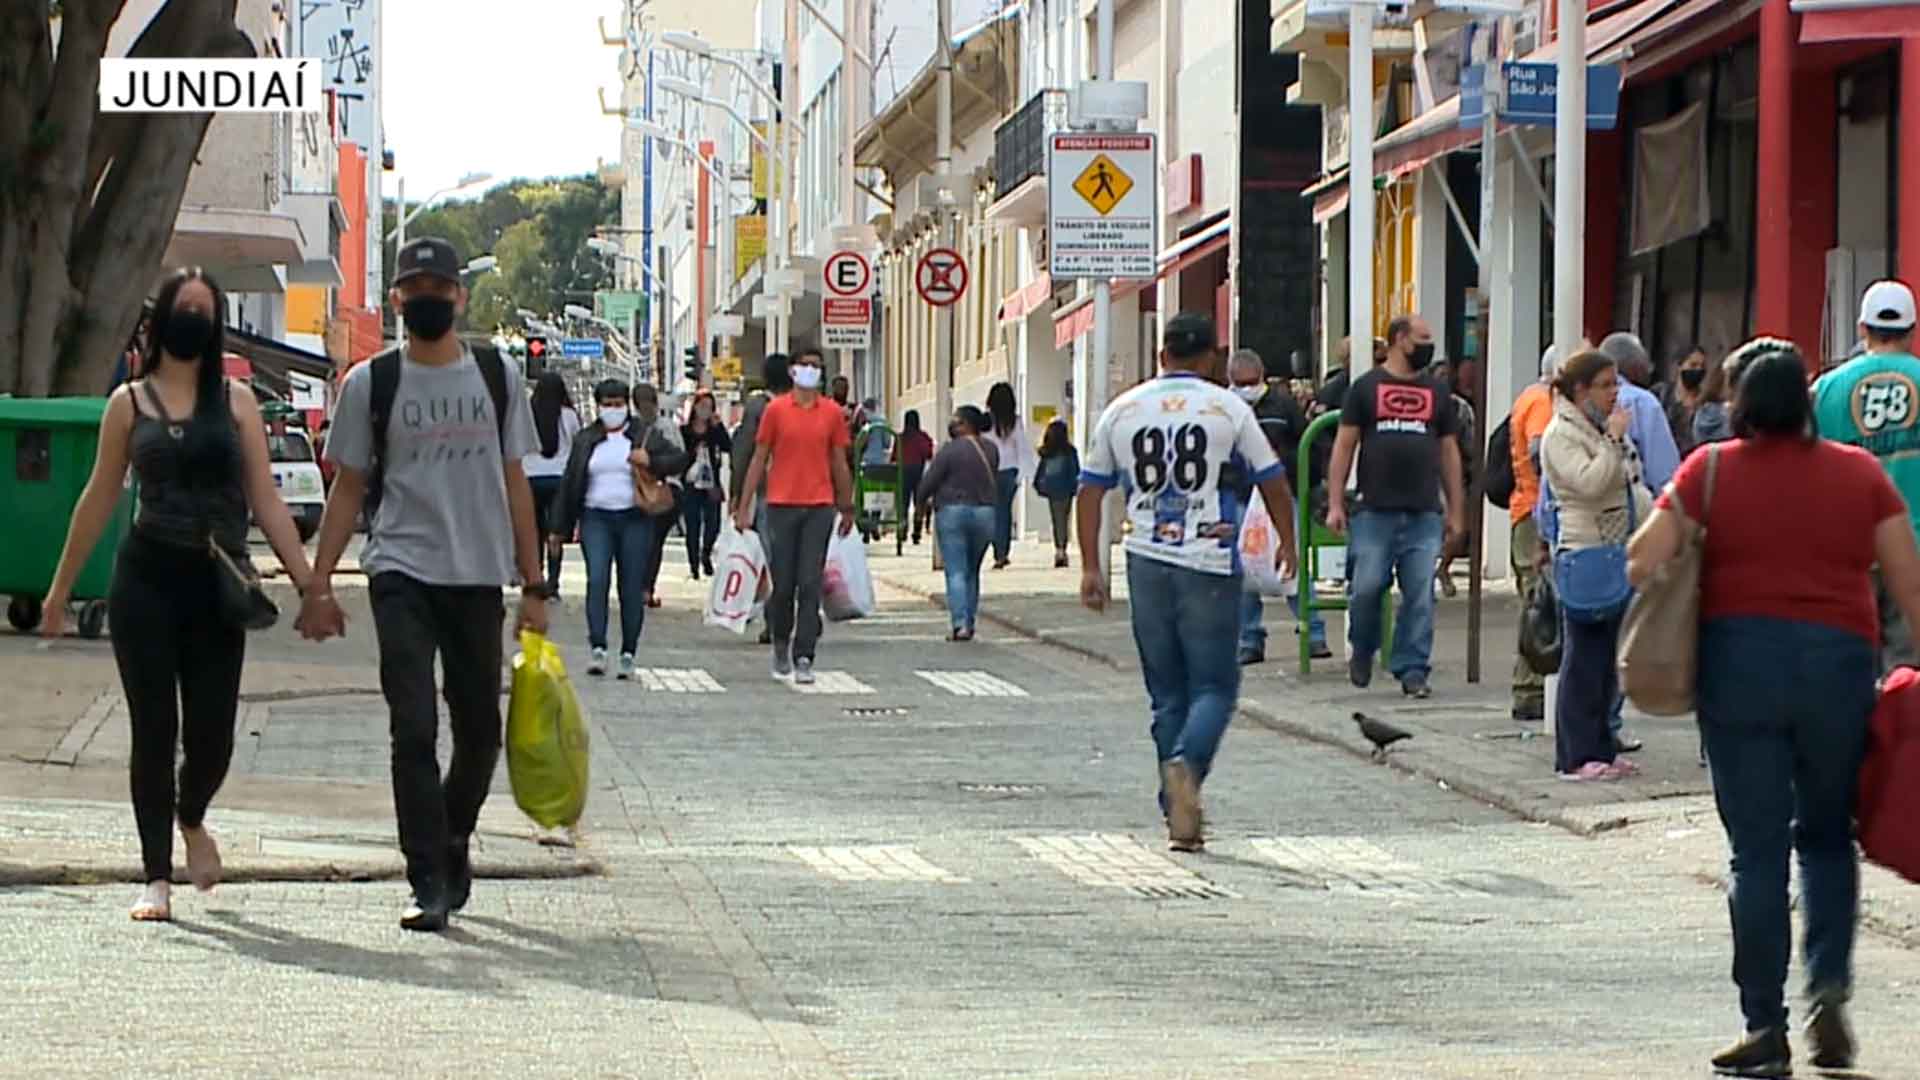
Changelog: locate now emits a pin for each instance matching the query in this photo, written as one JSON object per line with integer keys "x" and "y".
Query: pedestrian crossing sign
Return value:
{"x": 1103, "y": 184}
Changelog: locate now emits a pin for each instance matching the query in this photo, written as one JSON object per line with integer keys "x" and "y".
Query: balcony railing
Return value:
{"x": 1020, "y": 142}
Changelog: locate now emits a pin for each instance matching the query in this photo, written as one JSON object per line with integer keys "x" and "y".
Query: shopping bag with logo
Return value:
{"x": 546, "y": 736}
{"x": 1259, "y": 547}
{"x": 740, "y": 580}
{"x": 846, "y": 587}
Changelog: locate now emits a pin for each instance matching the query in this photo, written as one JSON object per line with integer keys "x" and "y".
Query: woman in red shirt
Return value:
{"x": 913, "y": 450}
{"x": 1786, "y": 681}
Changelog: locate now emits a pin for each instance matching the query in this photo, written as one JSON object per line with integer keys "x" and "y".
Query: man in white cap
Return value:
{"x": 1873, "y": 402}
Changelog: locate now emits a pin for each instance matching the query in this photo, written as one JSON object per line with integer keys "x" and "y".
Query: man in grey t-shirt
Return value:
{"x": 453, "y": 525}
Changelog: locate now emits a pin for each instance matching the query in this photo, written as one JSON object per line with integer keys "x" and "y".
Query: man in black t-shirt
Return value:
{"x": 1401, "y": 421}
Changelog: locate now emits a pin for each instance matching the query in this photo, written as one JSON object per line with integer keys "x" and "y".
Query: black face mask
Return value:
{"x": 1691, "y": 378}
{"x": 428, "y": 317}
{"x": 1421, "y": 356}
{"x": 187, "y": 335}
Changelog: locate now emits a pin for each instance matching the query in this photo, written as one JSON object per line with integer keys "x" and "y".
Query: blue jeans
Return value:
{"x": 1784, "y": 708}
{"x": 700, "y": 520}
{"x": 1006, "y": 485}
{"x": 964, "y": 531}
{"x": 623, "y": 538}
{"x": 1382, "y": 545}
{"x": 1589, "y": 687}
{"x": 1185, "y": 624}
{"x": 1253, "y": 630}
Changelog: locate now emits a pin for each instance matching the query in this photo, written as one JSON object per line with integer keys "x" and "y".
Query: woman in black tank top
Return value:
{"x": 199, "y": 449}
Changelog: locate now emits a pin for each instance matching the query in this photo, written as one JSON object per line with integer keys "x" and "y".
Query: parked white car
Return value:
{"x": 297, "y": 476}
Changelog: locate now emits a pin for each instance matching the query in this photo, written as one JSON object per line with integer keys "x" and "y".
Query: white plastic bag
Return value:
{"x": 740, "y": 580}
{"x": 1259, "y": 547}
{"x": 846, "y": 586}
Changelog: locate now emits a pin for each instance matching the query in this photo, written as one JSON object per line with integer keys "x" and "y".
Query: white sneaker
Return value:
{"x": 803, "y": 672}
{"x": 597, "y": 665}
{"x": 626, "y": 666}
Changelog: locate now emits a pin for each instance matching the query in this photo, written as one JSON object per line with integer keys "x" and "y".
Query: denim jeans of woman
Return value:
{"x": 1784, "y": 707}
{"x": 1589, "y": 681}
{"x": 544, "y": 489}
{"x": 1006, "y": 486}
{"x": 964, "y": 532}
{"x": 621, "y": 539}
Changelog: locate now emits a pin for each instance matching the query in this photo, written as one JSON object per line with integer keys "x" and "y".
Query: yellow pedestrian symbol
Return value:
{"x": 1102, "y": 184}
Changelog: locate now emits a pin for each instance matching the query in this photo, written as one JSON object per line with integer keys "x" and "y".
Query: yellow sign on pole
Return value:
{"x": 1103, "y": 184}
{"x": 749, "y": 242}
{"x": 762, "y": 188}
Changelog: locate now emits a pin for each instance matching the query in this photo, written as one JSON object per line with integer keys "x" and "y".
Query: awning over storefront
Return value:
{"x": 266, "y": 362}
{"x": 1076, "y": 318}
{"x": 1824, "y": 21}
{"x": 1614, "y": 37}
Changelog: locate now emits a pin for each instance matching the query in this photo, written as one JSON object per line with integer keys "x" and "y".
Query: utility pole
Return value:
{"x": 789, "y": 143}
{"x": 849, "y": 128}
{"x": 1492, "y": 90}
{"x": 1100, "y": 360}
{"x": 943, "y": 325}
{"x": 1570, "y": 178}
{"x": 646, "y": 198}
{"x": 1360, "y": 185}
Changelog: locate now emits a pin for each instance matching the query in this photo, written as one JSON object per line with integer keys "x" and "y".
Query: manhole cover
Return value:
{"x": 1003, "y": 789}
{"x": 864, "y": 711}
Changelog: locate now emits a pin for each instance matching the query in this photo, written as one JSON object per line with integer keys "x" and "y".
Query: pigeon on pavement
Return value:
{"x": 1380, "y": 733}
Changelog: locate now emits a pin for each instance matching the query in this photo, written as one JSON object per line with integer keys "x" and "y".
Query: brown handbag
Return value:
{"x": 651, "y": 493}
{"x": 1660, "y": 636}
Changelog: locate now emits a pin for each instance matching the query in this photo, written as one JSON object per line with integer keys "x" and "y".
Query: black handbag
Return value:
{"x": 1540, "y": 636}
{"x": 241, "y": 600}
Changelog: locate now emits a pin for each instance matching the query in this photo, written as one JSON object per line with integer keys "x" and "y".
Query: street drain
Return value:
{"x": 1003, "y": 789}
{"x": 1183, "y": 892}
{"x": 866, "y": 711}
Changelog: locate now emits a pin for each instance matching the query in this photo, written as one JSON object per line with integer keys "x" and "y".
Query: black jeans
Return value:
{"x": 180, "y": 670}
{"x": 920, "y": 509}
{"x": 544, "y": 490}
{"x": 462, "y": 624}
{"x": 700, "y": 518}
{"x": 797, "y": 558}
{"x": 662, "y": 530}
{"x": 1589, "y": 681}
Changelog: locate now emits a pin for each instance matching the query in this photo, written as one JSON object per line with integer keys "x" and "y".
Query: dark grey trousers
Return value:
{"x": 797, "y": 538}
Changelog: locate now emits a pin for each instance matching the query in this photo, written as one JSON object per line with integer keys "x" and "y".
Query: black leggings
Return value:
{"x": 180, "y": 670}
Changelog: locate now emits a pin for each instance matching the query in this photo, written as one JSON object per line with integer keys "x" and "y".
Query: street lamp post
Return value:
{"x": 400, "y": 192}
{"x": 720, "y": 176}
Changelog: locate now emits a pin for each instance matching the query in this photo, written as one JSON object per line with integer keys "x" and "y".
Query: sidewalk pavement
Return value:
{"x": 1464, "y": 737}
{"x": 307, "y": 798}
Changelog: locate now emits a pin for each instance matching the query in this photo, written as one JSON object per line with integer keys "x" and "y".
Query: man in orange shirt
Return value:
{"x": 1531, "y": 413}
{"x": 801, "y": 450}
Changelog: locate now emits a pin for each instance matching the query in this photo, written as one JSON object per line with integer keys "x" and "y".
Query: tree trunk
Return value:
{"x": 83, "y": 229}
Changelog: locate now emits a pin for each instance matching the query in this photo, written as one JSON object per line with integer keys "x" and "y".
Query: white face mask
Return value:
{"x": 806, "y": 377}
{"x": 1250, "y": 394}
{"x": 613, "y": 419}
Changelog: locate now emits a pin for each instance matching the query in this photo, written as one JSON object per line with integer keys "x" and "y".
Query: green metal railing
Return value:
{"x": 1312, "y": 537}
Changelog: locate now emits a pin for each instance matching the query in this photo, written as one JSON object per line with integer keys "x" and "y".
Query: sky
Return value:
{"x": 505, "y": 88}
{"x": 535, "y": 113}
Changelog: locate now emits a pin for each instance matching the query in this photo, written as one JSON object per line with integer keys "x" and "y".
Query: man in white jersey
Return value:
{"x": 1166, "y": 442}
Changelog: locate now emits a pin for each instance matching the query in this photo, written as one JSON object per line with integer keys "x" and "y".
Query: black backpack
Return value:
{"x": 386, "y": 387}
{"x": 1499, "y": 466}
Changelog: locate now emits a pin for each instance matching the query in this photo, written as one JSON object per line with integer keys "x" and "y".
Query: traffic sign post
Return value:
{"x": 1529, "y": 94}
{"x": 941, "y": 277}
{"x": 1103, "y": 207}
{"x": 846, "y": 312}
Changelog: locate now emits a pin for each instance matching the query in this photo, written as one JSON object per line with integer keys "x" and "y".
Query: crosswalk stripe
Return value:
{"x": 878, "y": 862}
{"x": 1351, "y": 865}
{"x": 833, "y": 682}
{"x": 972, "y": 683}
{"x": 1114, "y": 860}
{"x": 679, "y": 681}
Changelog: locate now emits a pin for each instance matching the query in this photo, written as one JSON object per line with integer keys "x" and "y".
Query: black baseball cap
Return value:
{"x": 1188, "y": 334}
{"x": 428, "y": 255}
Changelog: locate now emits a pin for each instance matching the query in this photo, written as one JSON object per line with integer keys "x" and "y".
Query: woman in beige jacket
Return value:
{"x": 1592, "y": 470}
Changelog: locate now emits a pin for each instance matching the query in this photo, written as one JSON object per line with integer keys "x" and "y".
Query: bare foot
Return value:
{"x": 155, "y": 903}
{"x": 203, "y": 858}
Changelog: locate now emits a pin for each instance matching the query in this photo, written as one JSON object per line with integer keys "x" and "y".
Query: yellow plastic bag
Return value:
{"x": 546, "y": 736}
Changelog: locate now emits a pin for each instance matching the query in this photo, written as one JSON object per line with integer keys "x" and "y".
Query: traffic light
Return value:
{"x": 536, "y": 356}
{"x": 691, "y": 369}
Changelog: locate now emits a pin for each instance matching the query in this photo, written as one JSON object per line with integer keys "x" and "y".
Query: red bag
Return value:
{"x": 1888, "y": 807}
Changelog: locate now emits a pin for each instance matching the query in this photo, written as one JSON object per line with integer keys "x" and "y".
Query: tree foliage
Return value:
{"x": 87, "y": 200}
{"x": 538, "y": 230}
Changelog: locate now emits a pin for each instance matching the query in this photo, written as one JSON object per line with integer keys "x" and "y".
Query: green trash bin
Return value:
{"x": 47, "y": 447}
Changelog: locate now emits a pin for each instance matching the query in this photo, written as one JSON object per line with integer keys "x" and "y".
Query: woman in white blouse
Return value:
{"x": 555, "y": 423}
{"x": 1008, "y": 435}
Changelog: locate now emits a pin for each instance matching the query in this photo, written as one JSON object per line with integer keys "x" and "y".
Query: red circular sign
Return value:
{"x": 941, "y": 277}
{"x": 847, "y": 273}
